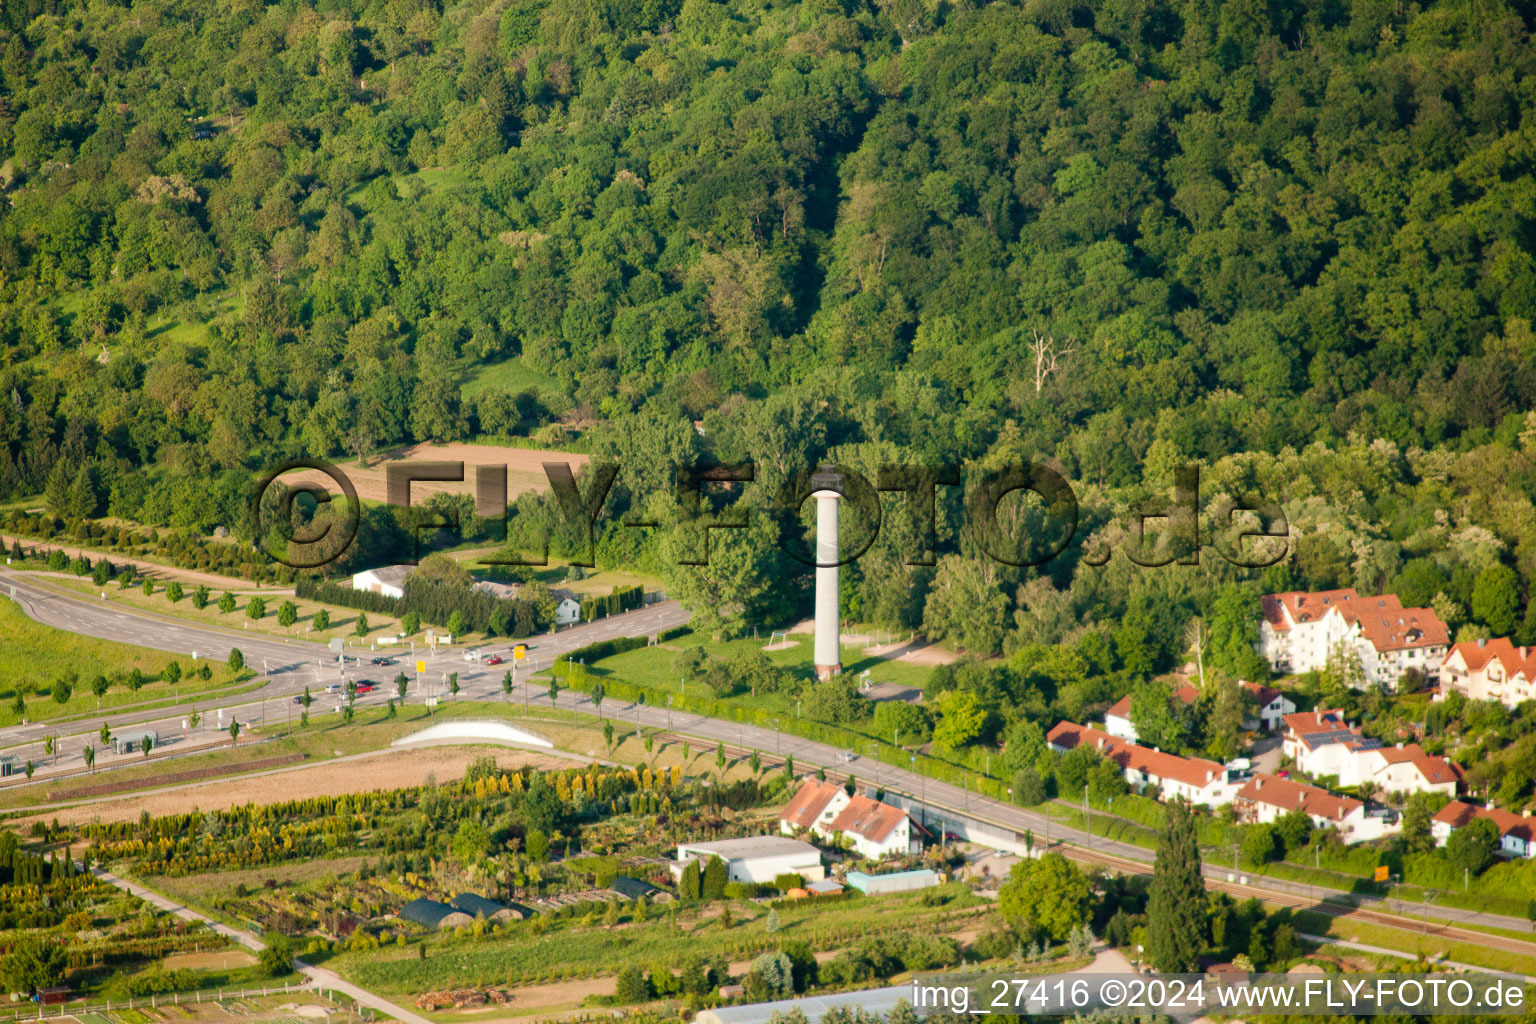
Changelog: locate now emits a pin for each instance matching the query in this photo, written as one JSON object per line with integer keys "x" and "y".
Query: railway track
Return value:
{"x": 1362, "y": 914}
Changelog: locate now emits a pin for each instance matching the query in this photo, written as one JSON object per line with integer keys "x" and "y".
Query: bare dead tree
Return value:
{"x": 1048, "y": 356}
{"x": 1197, "y": 639}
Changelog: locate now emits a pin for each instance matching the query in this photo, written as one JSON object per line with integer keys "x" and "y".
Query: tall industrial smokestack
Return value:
{"x": 829, "y": 648}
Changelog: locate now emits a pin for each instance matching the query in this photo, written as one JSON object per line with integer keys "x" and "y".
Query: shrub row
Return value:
{"x": 435, "y": 603}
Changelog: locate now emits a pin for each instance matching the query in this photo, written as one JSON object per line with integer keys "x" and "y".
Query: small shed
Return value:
{"x": 53, "y": 995}
{"x": 825, "y": 887}
{"x": 433, "y": 914}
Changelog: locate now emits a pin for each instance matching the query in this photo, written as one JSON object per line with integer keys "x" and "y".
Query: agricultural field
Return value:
{"x": 525, "y": 471}
{"x": 40, "y": 664}
{"x": 60, "y": 924}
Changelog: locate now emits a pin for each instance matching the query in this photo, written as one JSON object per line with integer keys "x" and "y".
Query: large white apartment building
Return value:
{"x": 1301, "y": 630}
{"x": 1490, "y": 670}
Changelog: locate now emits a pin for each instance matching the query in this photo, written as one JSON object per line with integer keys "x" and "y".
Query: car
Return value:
{"x": 951, "y": 837}
{"x": 383, "y": 661}
{"x": 494, "y": 659}
{"x": 1284, "y": 773}
{"x": 333, "y": 688}
{"x": 298, "y": 698}
{"x": 846, "y": 755}
{"x": 365, "y": 687}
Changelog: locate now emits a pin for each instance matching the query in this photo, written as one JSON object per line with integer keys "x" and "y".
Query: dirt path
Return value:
{"x": 147, "y": 568}
{"x": 913, "y": 652}
{"x": 396, "y": 769}
{"x": 525, "y": 470}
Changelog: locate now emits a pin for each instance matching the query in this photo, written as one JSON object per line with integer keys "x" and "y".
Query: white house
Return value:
{"x": 1265, "y": 798}
{"x": 1195, "y": 779}
{"x": 1407, "y": 770}
{"x": 388, "y": 580}
{"x": 1490, "y": 670}
{"x": 1271, "y": 706}
{"x": 754, "y": 859}
{"x": 1517, "y": 833}
{"x": 1301, "y": 630}
{"x": 567, "y": 607}
{"x": 872, "y": 828}
{"x": 1322, "y": 744}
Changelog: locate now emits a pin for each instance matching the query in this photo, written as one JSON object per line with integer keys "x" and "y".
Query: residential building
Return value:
{"x": 1195, "y": 779}
{"x": 871, "y": 828}
{"x": 1489, "y": 670}
{"x": 1301, "y": 631}
{"x": 1407, "y": 770}
{"x": 1517, "y": 832}
{"x": 1323, "y": 745}
{"x": 1270, "y": 707}
{"x": 388, "y": 580}
{"x": 567, "y": 607}
{"x": 755, "y": 858}
{"x": 1266, "y": 798}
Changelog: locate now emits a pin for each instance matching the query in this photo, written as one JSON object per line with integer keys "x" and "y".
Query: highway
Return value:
{"x": 293, "y": 665}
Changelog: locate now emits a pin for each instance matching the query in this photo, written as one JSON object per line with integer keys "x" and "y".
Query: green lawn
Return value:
{"x": 32, "y": 656}
{"x": 653, "y": 666}
{"x": 509, "y": 375}
{"x": 571, "y": 950}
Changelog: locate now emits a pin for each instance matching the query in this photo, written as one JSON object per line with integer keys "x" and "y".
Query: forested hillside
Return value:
{"x": 1291, "y": 241}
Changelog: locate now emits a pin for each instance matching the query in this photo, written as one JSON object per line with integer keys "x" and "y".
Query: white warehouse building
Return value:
{"x": 758, "y": 859}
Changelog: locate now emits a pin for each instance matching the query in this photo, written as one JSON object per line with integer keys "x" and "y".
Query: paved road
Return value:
{"x": 296, "y": 664}
{"x": 318, "y": 976}
{"x": 290, "y": 666}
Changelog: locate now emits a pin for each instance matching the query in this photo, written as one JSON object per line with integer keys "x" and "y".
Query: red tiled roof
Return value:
{"x": 1515, "y": 660}
{"x": 1303, "y": 723}
{"x": 1264, "y": 695}
{"x": 1391, "y": 627}
{"x": 1122, "y": 707}
{"x": 806, "y": 806}
{"x": 1193, "y": 771}
{"x": 1382, "y": 618}
{"x": 1304, "y": 606}
{"x": 869, "y": 818}
{"x": 1458, "y": 812}
{"x": 1436, "y": 770}
{"x": 1289, "y": 796}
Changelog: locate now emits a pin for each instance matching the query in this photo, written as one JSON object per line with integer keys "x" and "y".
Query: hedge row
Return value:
{"x": 622, "y": 599}
{"x": 434, "y": 603}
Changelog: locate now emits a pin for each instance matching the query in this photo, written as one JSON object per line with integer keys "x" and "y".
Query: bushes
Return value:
{"x": 433, "y": 602}
{"x": 622, "y": 599}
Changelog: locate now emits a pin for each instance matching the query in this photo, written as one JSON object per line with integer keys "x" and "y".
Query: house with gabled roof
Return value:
{"x": 874, "y": 829}
{"x": 1265, "y": 798}
{"x": 1300, "y": 631}
{"x": 1195, "y": 779}
{"x": 1271, "y": 706}
{"x": 1517, "y": 832}
{"x": 1489, "y": 670}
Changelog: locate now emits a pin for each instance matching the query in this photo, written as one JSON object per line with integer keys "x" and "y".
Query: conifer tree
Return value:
{"x": 1176, "y": 918}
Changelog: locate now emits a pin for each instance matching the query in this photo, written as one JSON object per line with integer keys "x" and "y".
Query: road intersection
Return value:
{"x": 297, "y": 664}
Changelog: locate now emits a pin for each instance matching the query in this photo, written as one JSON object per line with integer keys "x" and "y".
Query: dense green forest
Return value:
{"x": 1291, "y": 242}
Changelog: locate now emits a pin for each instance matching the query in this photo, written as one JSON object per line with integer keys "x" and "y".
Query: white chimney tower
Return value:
{"x": 829, "y": 648}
